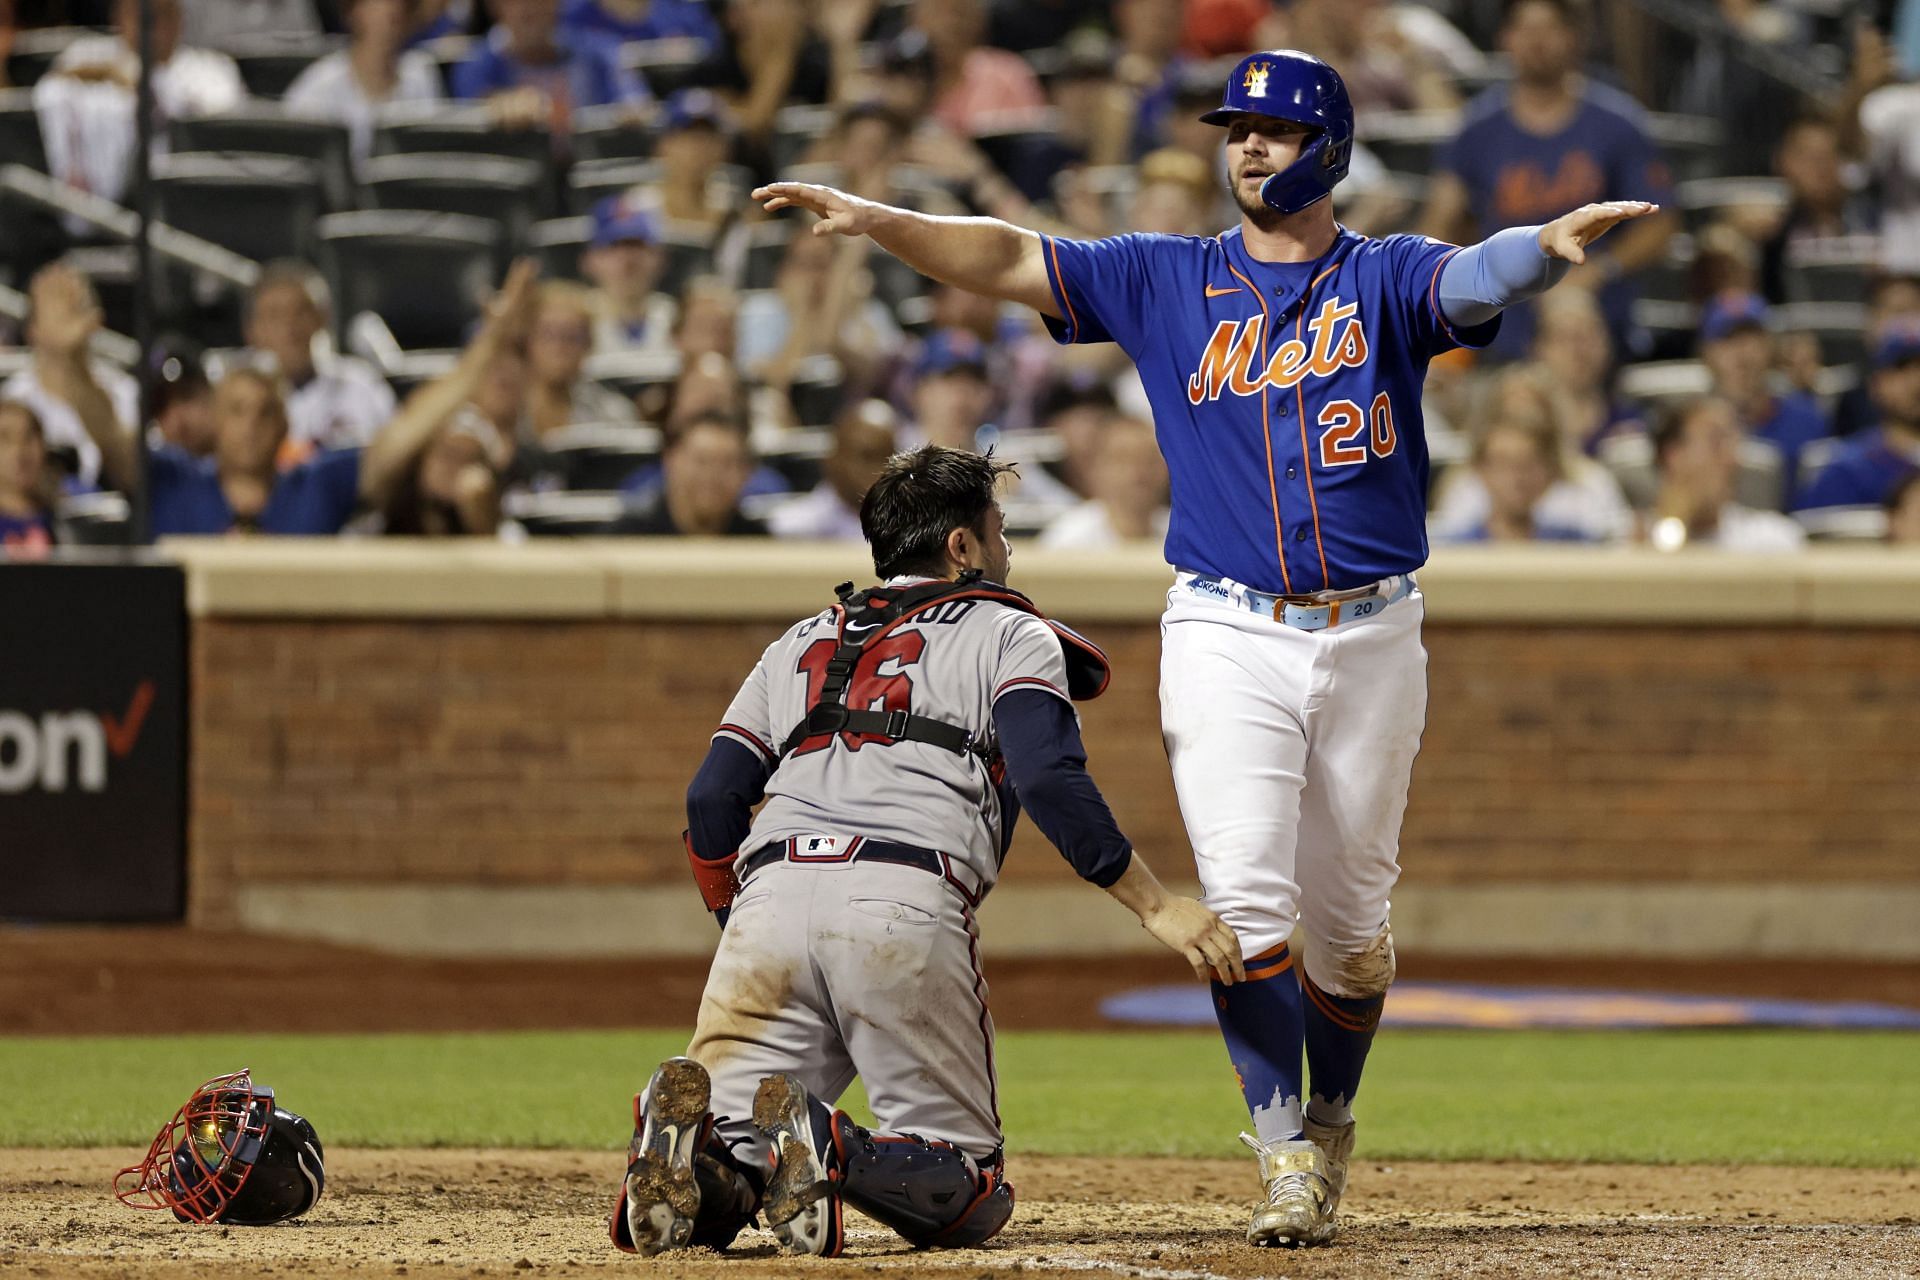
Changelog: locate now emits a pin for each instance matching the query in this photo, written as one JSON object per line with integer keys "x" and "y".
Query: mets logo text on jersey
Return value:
{"x": 1256, "y": 82}
{"x": 1234, "y": 350}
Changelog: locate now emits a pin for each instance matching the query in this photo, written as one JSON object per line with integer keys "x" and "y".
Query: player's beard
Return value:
{"x": 1257, "y": 210}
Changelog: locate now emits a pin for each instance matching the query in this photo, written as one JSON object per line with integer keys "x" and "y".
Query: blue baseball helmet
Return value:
{"x": 1290, "y": 85}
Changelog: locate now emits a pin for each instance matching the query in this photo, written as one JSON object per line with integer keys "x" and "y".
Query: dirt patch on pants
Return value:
{"x": 445, "y": 1213}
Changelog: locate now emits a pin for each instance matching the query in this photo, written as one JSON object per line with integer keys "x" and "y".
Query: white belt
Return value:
{"x": 1317, "y": 612}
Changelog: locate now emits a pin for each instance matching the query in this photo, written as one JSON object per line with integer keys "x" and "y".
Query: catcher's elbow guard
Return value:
{"x": 715, "y": 877}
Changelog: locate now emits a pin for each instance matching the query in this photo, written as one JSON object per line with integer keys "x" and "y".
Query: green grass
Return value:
{"x": 1686, "y": 1096}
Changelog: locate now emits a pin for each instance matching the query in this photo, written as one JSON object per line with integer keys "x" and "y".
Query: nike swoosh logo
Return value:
{"x": 854, "y": 627}
{"x": 1213, "y": 292}
{"x": 124, "y": 732}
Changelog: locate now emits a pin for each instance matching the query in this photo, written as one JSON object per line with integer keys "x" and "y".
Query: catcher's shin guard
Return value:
{"x": 932, "y": 1193}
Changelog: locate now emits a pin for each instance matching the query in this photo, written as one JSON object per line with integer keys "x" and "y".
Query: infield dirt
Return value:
{"x": 446, "y": 1213}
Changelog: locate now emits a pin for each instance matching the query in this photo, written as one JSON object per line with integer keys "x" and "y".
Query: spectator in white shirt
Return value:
{"x": 86, "y": 100}
{"x": 1697, "y": 450}
{"x": 624, "y": 262}
{"x": 349, "y": 86}
{"x": 1129, "y": 502}
{"x": 863, "y": 440}
{"x": 334, "y": 401}
{"x": 81, "y": 402}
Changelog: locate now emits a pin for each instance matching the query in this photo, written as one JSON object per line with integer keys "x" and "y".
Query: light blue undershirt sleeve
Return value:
{"x": 1507, "y": 267}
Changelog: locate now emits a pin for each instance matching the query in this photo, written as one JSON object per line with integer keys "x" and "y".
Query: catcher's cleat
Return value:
{"x": 662, "y": 1192}
{"x": 1336, "y": 1144}
{"x": 1299, "y": 1203}
{"x": 802, "y": 1204}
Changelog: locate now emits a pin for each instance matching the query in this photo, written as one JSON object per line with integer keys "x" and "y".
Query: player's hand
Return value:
{"x": 1187, "y": 926}
{"x": 839, "y": 213}
{"x": 1568, "y": 235}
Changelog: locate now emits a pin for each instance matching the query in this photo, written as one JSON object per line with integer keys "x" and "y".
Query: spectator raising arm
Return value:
{"x": 393, "y": 451}
{"x": 66, "y": 317}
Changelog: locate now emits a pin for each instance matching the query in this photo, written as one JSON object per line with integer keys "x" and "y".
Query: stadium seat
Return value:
{"x": 31, "y": 52}
{"x": 1673, "y": 326}
{"x": 667, "y": 65}
{"x": 795, "y": 130}
{"x": 1841, "y": 328}
{"x": 563, "y": 515}
{"x": 599, "y": 455}
{"x": 425, "y": 274}
{"x": 1706, "y": 200}
{"x": 591, "y": 181}
{"x": 270, "y": 64}
{"x": 689, "y": 254}
{"x": 1405, "y": 141}
{"x": 260, "y": 206}
{"x": 610, "y": 133}
{"x": 20, "y": 130}
{"x": 558, "y": 244}
{"x": 797, "y": 455}
{"x": 816, "y": 390}
{"x": 1837, "y": 270}
{"x": 102, "y": 519}
{"x": 505, "y": 192}
{"x": 629, "y": 373}
{"x": 432, "y": 127}
{"x": 1760, "y": 480}
{"x": 1659, "y": 384}
{"x": 1691, "y": 144}
{"x": 1844, "y": 524}
{"x": 1671, "y": 278}
{"x": 766, "y": 249}
{"x": 265, "y": 129}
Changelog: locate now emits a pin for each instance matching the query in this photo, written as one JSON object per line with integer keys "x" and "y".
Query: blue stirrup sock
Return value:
{"x": 1339, "y": 1031}
{"x": 1261, "y": 1021}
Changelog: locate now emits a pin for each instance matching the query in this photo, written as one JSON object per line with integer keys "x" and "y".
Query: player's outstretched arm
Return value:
{"x": 1180, "y": 924}
{"x": 1568, "y": 235}
{"x": 981, "y": 255}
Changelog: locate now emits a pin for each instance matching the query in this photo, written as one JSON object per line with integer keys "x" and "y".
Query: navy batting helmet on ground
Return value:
{"x": 1290, "y": 85}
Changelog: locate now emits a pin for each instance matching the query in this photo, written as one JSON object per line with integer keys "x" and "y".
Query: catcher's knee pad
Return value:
{"x": 932, "y": 1193}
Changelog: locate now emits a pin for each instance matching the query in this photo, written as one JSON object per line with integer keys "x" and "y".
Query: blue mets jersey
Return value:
{"x": 1286, "y": 396}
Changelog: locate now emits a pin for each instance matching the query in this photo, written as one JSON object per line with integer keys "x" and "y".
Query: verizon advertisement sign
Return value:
{"x": 92, "y": 741}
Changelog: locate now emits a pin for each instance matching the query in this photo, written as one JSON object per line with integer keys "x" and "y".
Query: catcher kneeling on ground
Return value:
{"x": 895, "y": 738}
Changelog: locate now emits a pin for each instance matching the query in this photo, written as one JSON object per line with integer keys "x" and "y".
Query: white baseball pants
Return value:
{"x": 1292, "y": 751}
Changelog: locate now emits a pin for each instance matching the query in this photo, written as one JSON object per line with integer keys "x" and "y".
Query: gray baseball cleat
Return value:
{"x": 1298, "y": 1210}
{"x": 670, "y": 1124}
{"x": 801, "y": 1204}
{"x": 1336, "y": 1144}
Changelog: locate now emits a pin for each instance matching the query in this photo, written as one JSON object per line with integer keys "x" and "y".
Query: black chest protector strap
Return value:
{"x": 865, "y": 615}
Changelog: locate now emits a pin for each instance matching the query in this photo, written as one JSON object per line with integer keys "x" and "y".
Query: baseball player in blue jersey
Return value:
{"x": 1284, "y": 360}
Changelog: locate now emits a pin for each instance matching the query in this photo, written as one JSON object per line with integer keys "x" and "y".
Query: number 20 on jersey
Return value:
{"x": 1346, "y": 431}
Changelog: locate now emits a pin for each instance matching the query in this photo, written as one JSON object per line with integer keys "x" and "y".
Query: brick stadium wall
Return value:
{"x": 504, "y": 752}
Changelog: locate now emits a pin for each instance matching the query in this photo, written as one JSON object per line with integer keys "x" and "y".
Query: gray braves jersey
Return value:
{"x": 950, "y": 663}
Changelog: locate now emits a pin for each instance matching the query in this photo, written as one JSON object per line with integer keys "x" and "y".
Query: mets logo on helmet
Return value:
{"x": 1256, "y": 81}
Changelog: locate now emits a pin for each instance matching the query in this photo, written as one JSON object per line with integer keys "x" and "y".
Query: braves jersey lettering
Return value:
{"x": 1286, "y": 396}
{"x": 951, "y": 662}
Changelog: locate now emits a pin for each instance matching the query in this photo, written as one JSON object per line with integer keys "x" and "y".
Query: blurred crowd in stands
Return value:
{"x": 489, "y": 267}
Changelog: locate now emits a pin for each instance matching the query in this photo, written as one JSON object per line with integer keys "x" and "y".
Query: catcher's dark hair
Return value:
{"x": 920, "y": 498}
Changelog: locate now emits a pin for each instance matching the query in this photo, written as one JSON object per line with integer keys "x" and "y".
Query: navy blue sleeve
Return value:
{"x": 731, "y": 780}
{"x": 1047, "y": 765}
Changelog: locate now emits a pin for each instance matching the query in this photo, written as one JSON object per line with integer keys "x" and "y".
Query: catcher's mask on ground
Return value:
{"x": 229, "y": 1155}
